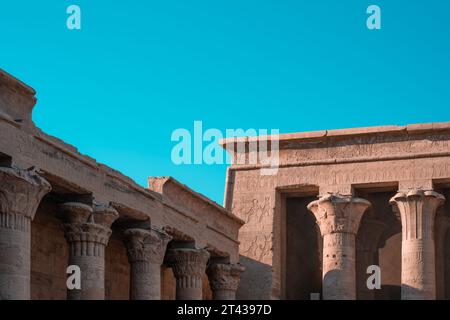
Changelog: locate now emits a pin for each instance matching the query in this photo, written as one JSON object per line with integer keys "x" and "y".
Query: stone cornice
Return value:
{"x": 332, "y": 161}
{"x": 320, "y": 135}
{"x": 11, "y": 82}
{"x": 358, "y": 145}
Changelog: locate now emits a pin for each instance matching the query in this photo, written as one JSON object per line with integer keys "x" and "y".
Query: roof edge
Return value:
{"x": 321, "y": 134}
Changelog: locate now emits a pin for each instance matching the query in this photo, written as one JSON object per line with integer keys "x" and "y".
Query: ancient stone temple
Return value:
{"x": 335, "y": 205}
{"x": 339, "y": 202}
{"x": 59, "y": 208}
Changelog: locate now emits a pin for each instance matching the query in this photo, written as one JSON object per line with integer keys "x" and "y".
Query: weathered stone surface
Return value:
{"x": 188, "y": 267}
{"x": 350, "y": 161}
{"x": 360, "y": 162}
{"x": 224, "y": 280}
{"x": 338, "y": 217}
{"x": 21, "y": 191}
{"x": 87, "y": 230}
{"x": 146, "y": 250}
{"x": 418, "y": 210}
{"x": 77, "y": 180}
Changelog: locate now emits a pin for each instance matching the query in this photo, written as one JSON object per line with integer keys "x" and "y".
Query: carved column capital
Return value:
{"x": 188, "y": 266}
{"x": 146, "y": 245}
{"x": 224, "y": 276}
{"x": 338, "y": 217}
{"x": 188, "y": 262}
{"x": 87, "y": 230}
{"x": 336, "y": 213}
{"x": 417, "y": 209}
{"x": 21, "y": 191}
{"x": 82, "y": 223}
{"x": 146, "y": 249}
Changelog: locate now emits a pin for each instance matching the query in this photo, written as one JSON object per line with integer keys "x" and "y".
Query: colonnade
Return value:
{"x": 87, "y": 229}
{"x": 339, "y": 217}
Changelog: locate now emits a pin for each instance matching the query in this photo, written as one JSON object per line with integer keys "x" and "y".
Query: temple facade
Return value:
{"x": 340, "y": 206}
{"x": 337, "y": 207}
{"x": 61, "y": 210}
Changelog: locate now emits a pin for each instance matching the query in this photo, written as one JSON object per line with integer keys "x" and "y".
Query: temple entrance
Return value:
{"x": 379, "y": 242}
{"x": 303, "y": 266}
{"x": 442, "y": 241}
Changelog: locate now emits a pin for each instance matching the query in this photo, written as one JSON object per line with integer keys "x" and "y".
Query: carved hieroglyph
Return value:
{"x": 224, "y": 280}
{"x": 21, "y": 191}
{"x": 417, "y": 211}
{"x": 146, "y": 249}
{"x": 188, "y": 267}
{"x": 87, "y": 230}
{"x": 338, "y": 217}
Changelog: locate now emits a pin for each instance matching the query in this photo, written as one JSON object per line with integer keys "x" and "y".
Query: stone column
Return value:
{"x": 21, "y": 191}
{"x": 87, "y": 231}
{"x": 367, "y": 241}
{"x": 188, "y": 267}
{"x": 224, "y": 280}
{"x": 146, "y": 249}
{"x": 338, "y": 217}
{"x": 417, "y": 211}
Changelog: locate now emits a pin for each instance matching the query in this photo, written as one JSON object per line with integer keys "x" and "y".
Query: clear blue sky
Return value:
{"x": 140, "y": 69}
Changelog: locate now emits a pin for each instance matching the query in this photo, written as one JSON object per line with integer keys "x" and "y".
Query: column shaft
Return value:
{"x": 21, "y": 191}
{"x": 417, "y": 211}
{"x": 145, "y": 281}
{"x": 338, "y": 217}
{"x": 224, "y": 280}
{"x": 339, "y": 266}
{"x": 188, "y": 266}
{"x": 87, "y": 231}
{"x": 15, "y": 257}
{"x": 146, "y": 249}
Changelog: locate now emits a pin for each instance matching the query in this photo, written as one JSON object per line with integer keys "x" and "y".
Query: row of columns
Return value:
{"x": 339, "y": 216}
{"x": 87, "y": 230}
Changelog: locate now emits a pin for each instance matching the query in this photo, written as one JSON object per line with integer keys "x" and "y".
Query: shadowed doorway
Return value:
{"x": 303, "y": 250}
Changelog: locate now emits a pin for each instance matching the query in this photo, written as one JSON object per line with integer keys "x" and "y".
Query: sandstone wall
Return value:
{"x": 338, "y": 161}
